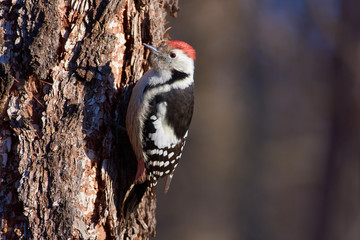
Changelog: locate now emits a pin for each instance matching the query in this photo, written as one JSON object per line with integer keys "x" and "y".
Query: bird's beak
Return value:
{"x": 152, "y": 48}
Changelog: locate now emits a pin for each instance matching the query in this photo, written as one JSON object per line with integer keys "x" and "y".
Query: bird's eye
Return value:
{"x": 173, "y": 55}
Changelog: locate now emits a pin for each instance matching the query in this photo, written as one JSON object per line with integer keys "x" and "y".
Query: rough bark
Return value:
{"x": 66, "y": 70}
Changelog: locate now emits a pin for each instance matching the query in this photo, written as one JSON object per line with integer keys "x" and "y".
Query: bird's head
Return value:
{"x": 172, "y": 55}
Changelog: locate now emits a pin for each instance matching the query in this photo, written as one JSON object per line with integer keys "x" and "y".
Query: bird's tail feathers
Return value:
{"x": 133, "y": 197}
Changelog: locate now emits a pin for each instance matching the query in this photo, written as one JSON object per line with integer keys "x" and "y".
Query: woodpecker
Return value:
{"x": 160, "y": 111}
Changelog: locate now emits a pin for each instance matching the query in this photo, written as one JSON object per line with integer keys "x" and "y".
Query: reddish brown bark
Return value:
{"x": 65, "y": 71}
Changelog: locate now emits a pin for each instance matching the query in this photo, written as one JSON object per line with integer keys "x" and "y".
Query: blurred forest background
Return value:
{"x": 274, "y": 147}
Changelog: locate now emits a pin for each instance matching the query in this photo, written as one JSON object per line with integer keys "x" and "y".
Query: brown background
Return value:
{"x": 273, "y": 151}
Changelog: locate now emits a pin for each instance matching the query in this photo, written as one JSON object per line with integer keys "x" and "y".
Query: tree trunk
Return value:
{"x": 66, "y": 68}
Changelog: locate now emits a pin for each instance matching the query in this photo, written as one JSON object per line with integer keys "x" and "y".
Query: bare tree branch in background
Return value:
{"x": 339, "y": 211}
